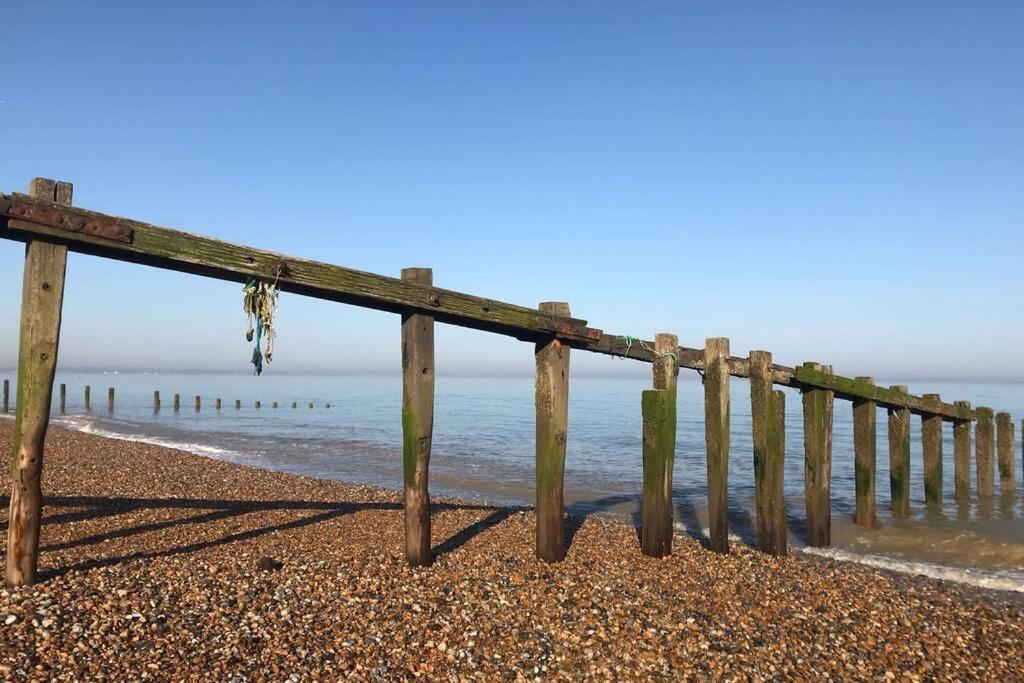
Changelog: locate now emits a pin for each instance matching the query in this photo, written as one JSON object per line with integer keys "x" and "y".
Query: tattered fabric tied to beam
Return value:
{"x": 259, "y": 301}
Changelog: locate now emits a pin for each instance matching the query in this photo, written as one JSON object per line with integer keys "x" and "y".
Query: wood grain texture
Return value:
{"x": 768, "y": 426}
{"x": 41, "y": 302}
{"x": 931, "y": 447}
{"x": 962, "y": 456}
{"x": 1004, "y": 450}
{"x": 417, "y": 423}
{"x": 716, "y": 437}
{"x": 656, "y": 510}
{"x": 899, "y": 457}
{"x": 818, "y": 406}
{"x": 864, "y": 458}
{"x": 552, "y": 409}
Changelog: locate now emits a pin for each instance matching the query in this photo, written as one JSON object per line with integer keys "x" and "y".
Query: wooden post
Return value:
{"x": 327, "y": 406}
{"x": 177, "y": 402}
{"x": 962, "y": 455}
{"x": 768, "y": 426}
{"x": 257, "y": 404}
{"x": 931, "y": 442}
{"x": 311, "y": 405}
{"x": 552, "y": 408}
{"x": 716, "y": 437}
{"x": 658, "y": 407}
{"x": 417, "y": 423}
{"x": 63, "y": 398}
{"x": 818, "y": 409}
{"x": 899, "y": 457}
{"x": 274, "y": 404}
{"x": 238, "y": 404}
{"x": 295, "y": 404}
{"x": 199, "y": 403}
{"x": 156, "y": 400}
{"x": 42, "y": 297}
{"x": 7, "y": 395}
{"x": 218, "y": 404}
{"x": 87, "y": 397}
{"x": 984, "y": 446}
{"x": 1004, "y": 447}
{"x": 864, "y": 457}
{"x": 110, "y": 398}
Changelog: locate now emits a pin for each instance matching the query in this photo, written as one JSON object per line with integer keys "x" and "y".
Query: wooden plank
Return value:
{"x": 962, "y": 455}
{"x": 768, "y": 427}
{"x": 417, "y": 423}
{"x": 1004, "y": 449}
{"x": 818, "y": 407}
{"x": 899, "y": 457}
{"x": 552, "y": 408}
{"x": 931, "y": 442}
{"x": 659, "y": 438}
{"x": 41, "y": 302}
{"x": 984, "y": 449}
{"x": 716, "y": 437}
{"x": 176, "y": 250}
{"x": 864, "y": 458}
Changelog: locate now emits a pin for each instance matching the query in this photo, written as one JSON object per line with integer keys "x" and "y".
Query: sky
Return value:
{"x": 838, "y": 182}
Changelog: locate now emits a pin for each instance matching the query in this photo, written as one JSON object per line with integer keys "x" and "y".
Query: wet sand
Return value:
{"x": 162, "y": 565}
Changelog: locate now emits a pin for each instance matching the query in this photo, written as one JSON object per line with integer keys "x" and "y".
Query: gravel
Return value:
{"x": 162, "y": 565}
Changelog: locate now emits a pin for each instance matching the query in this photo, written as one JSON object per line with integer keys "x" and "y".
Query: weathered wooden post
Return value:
{"x": 217, "y": 404}
{"x": 768, "y": 426}
{"x": 257, "y": 404}
{"x": 87, "y": 397}
{"x": 984, "y": 446}
{"x": 7, "y": 395}
{"x": 931, "y": 442}
{"x": 1004, "y": 447}
{"x": 417, "y": 423}
{"x": 818, "y": 406}
{"x": 156, "y": 400}
{"x": 864, "y": 458}
{"x": 274, "y": 404}
{"x": 295, "y": 404}
{"x": 716, "y": 437}
{"x": 42, "y": 296}
{"x": 899, "y": 456}
{"x": 658, "y": 407}
{"x": 327, "y": 406}
{"x": 63, "y": 398}
{"x": 962, "y": 454}
{"x": 110, "y": 398}
{"x": 177, "y": 402}
{"x": 199, "y": 403}
{"x": 311, "y": 405}
{"x": 551, "y": 357}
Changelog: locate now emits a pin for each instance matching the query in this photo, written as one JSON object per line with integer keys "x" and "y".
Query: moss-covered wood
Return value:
{"x": 899, "y": 457}
{"x": 984, "y": 449}
{"x": 962, "y": 456}
{"x": 931, "y": 448}
{"x": 417, "y": 423}
{"x": 818, "y": 405}
{"x": 552, "y": 408}
{"x": 716, "y": 436}
{"x": 1004, "y": 449}
{"x": 768, "y": 425}
{"x": 658, "y": 440}
{"x": 41, "y": 300}
{"x": 864, "y": 458}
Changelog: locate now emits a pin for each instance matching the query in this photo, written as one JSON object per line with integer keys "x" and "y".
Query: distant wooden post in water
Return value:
{"x": 984, "y": 447}
{"x": 156, "y": 400}
{"x": 110, "y": 398}
{"x": 42, "y": 297}
{"x": 931, "y": 446}
{"x": 716, "y": 438}
{"x": 199, "y": 403}
{"x": 768, "y": 429}
{"x": 310, "y": 405}
{"x": 87, "y": 397}
{"x": 551, "y": 357}
{"x": 7, "y": 395}
{"x": 218, "y": 404}
{"x": 295, "y": 404}
{"x": 274, "y": 404}
{"x": 238, "y": 404}
{"x": 257, "y": 404}
{"x": 417, "y": 423}
{"x": 1004, "y": 447}
{"x": 818, "y": 405}
{"x": 177, "y": 402}
{"x": 63, "y": 398}
{"x": 658, "y": 408}
{"x": 864, "y": 458}
{"x": 962, "y": 455}
{"x": 899, "y": 457}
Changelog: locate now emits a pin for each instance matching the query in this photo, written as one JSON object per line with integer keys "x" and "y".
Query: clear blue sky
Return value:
{"x": 841, "y": 182}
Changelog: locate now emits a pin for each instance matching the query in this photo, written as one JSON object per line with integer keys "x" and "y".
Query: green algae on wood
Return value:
{"x": 716, "y": 437}
{"x": 768, "y": 426}
{"x": 984, "y": 449}
{"x": 962, "y": 456}
{"x": 931, "y": 449}
{"x": 818, "y": 405}
{"x": 1004, "y": 449}
{"x": 864, "y": 458}
{"x": 551, "y": 358}
{"x": 658, "y": 409}
{"x": 899, "y": 457}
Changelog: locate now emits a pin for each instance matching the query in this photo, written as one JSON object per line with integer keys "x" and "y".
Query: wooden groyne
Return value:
{"x": 48, "y": 224}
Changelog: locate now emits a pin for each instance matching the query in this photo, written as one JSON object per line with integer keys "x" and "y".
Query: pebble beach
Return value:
{"x": 162, "y": 565}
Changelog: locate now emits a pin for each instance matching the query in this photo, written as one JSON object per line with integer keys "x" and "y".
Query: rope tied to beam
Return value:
{"x": 645, "y": 347}
{"x": 259, "y": 301}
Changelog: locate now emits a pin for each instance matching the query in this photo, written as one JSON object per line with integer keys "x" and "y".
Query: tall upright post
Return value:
{"x": 156, "y": 400}
{"x": 199, "y": 403}
{"x": 818, "y": 407}
{"x": 87, "y": 398}
{"x": 63, "y": 398}
{"x": 768, "y": 426}
{"x": 716, "y": 437}
{"x": 899, "y": 457}
{"x": 984, "y": 446}
{"x": 218, "y": 404}
{"x": 658, "y": 407}
{"x": 417, "y": 423}
{"x": 1004, "y": 447}
{"x": 177, "y": 402}
{"x": 42, "y": 297}
{"x": 864, "y": 458}
{"x": 238, "y": 404}
{"x": 110, "y": 398}
{"x": 7, "y": 395}
{"x": 552, "y": 408}
{"x": 931, "y": 442}
{"x": 962, "y": 455}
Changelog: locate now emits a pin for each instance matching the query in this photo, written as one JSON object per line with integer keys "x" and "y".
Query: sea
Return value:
{"x": 483, "y": 449}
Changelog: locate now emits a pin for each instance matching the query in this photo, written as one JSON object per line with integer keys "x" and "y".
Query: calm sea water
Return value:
{"x": 483, "y": 449}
